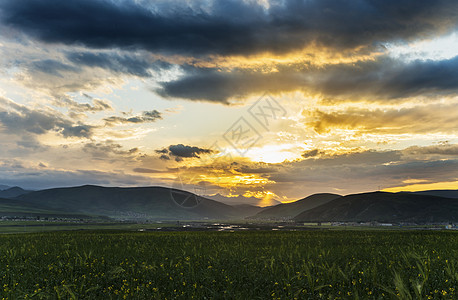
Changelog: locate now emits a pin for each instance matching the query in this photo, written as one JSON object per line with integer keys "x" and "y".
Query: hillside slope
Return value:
{"x": 13, "y": 192}
{"x": 385, "y": 207}
{"x": 132, "y": 203}
{"x": 17, "y": 208}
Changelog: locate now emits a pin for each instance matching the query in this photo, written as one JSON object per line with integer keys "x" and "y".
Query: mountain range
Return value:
{"x": 385, "y": 207}
{"x": 4, "y": 187}
{"x": 132, "y": 203}
{"x": 288, "y": 211}
{"x": 11, "y": 192}
{"x": 160, "y": 203}
{"x": 239, "y": 200}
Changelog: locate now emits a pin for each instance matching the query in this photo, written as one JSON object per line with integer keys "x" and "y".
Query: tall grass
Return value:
{"x": 229, "y": 265}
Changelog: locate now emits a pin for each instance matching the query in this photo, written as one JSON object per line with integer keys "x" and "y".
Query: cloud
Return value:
{"x": 356, "y": 172}
{"x": 145, "y": 117}
{"x": 260, "y": 168}
{"x": 221, "y": 51}
{"x": 96, "y": 105}
{"x": 20, "y": 119}
{"x": 107, "y": 149}
{"x": 443, "y": 150}
{"x": 390, "y": 78}
{"x": 40, "y": 178}
{"x": 435, "y": 118}
{"x": 77, "y": 131}
{"x": 145, "y": 170}
{"x": 144, "y": 35}
{"x": 163, "y": 151}
{"x": 379, "y": 79}
{"x": 28, "y": 142}
{"x": 131, "y": 64}
{"x": 312, "y": 153}
{"x": 342, "y": 173}
{"x": 181, "y": 151}
{"x": 48, "y": 68}
{"x": 229, "y": 27}
{"x": 53, "y": 67}
{"x": 221, "y": 85}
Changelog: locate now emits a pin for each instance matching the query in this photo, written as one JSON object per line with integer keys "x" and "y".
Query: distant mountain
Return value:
{"x": 133, "y": 203}
{"x": 13, "y": 192}
{"x": 290, "y": 210}
{"x": 239, "y": 200}
{"x": 385, "y": 207}
{"x": 159, "y": 203}
{"x": 4, "y": 187}
{"x": 247, "y": 210}
{"x": 439, "y": 193}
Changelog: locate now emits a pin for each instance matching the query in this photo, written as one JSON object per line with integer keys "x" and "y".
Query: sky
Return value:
{"x": 269, "y": 99}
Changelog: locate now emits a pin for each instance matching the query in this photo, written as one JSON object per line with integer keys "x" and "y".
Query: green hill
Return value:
{"x": 13, "y": 192}
{"x": 132, "y": 203}
{"x": 385, "y": 207}
{"x": 18, "y": 208}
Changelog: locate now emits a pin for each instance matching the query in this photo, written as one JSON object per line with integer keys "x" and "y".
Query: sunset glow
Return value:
{"x": 290, "y": 99}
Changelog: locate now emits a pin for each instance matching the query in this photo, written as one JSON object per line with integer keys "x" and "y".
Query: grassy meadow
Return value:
{"x": 229, "y": 265}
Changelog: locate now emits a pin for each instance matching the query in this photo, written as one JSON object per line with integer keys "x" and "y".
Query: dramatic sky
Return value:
{"x": 273, "y": 99}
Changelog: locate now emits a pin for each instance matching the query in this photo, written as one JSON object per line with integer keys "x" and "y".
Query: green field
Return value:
{"x": 34, "y": 226}
{"x": 229, "y": 265}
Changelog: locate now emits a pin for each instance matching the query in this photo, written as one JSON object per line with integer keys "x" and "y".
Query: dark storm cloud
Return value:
{"x": 204, "y": 28}
{"x": 181, "y": 151}
{"x": 126, "y": 64}
{"x": 162, "y": 151}
{"x": 219, "y": 86}
{"x": 389, "y": 78}
{"x": 76, "y": 130}
{"x": 384, "y": 78}
{"x": 228, "y": 27}
{"x": 53, "y": 67}
{"x": 145, "y": 117}
{"x": 19, "y": 119}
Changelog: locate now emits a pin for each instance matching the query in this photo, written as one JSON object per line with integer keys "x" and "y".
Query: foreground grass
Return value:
{"x": 230, "y": 265}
